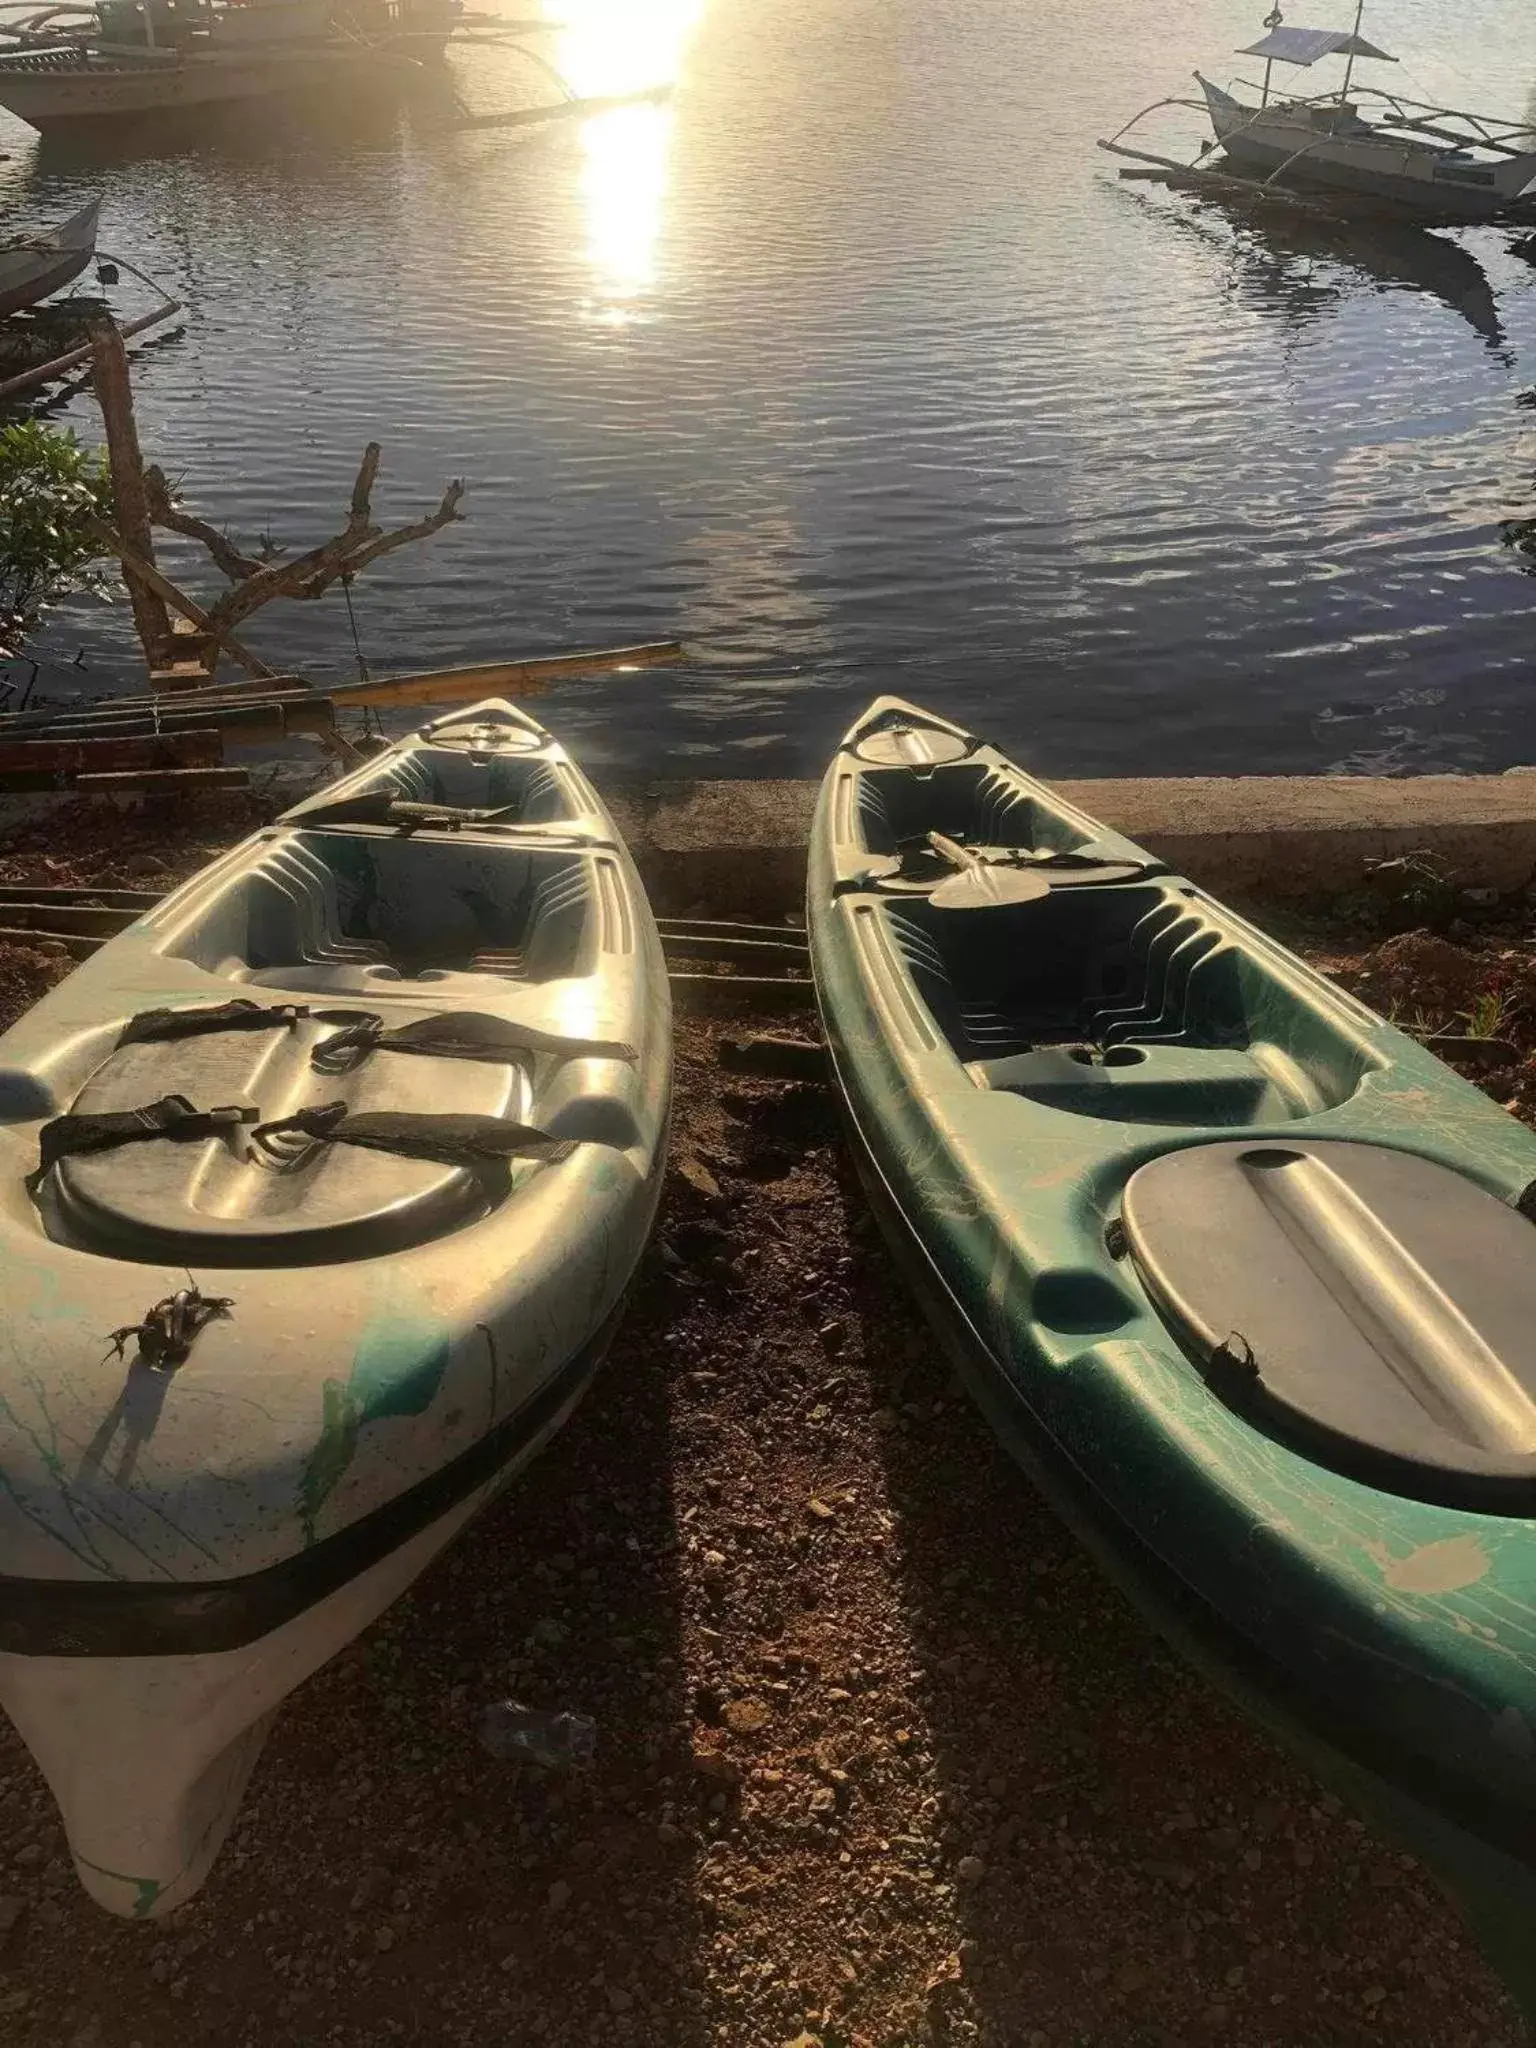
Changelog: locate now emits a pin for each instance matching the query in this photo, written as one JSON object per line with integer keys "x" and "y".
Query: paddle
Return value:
{"x": 982, "y": 884}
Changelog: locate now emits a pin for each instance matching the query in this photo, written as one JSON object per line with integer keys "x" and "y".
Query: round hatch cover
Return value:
{"x": 901, "y": 744}
{"x": 217, "y": 1201}
{"x": 1378, "y": 1304}
{"x": 482, "y": 734}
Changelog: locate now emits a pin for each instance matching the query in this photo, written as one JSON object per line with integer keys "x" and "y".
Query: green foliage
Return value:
{"x": 49, "y": 488}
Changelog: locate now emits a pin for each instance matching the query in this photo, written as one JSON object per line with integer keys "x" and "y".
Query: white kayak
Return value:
{"x": 322, "y": 1188}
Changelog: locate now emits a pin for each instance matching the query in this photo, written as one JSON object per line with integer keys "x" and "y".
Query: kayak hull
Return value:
{"x": 393, "y": 1325}
{"x": 1358, "y": 1624}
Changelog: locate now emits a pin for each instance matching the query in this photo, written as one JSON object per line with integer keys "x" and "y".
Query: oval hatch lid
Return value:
{"x": 1376, "y": 1304}
{"x": 489, "y": 728}
{"x": 901, "y": 736}
{"x": 213, "y": 1201}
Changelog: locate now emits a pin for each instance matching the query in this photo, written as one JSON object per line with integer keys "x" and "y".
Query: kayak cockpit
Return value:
{"x": 350, "y": 910}
{"x": 1126, "y": 1002}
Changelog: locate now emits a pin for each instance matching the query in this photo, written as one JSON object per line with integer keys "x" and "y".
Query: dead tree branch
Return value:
{"x": 255, "y": 583}
{"x": 445, "y": 514}
{"x": 164, "y": 513}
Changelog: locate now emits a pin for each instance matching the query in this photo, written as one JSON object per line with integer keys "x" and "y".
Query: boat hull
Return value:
{"x": 27, "y": 278}
{"x": 400, "y": 1322}
{"x": 144, "y": 1840}
{"x": 85, "y": 95}
{"x": 1405, "y": 176}
{"x": 1487, "y": 1872}
{"x": 1389, "y": 1637}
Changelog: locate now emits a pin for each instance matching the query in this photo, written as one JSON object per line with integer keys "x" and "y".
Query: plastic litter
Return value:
{"x": 520, "y": 1734}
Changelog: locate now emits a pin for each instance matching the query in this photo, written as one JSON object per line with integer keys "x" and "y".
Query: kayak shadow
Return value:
{"x": 1133, "y": 1862}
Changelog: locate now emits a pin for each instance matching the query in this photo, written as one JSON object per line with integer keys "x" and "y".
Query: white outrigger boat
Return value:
{"x": 120, "y": 59}
{"x": 321, "y": 1188}
{"x": 1359, "y": 147}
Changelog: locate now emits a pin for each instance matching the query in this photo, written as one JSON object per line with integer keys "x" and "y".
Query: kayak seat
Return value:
{"x": 1373, "y": 1306}
{"x": 1134, "y": 965}
{"x": 530, "y": 792}
{"x": 322, "y": 904}
{"x": 1159, "y": 1084}
{"x": 976, "y": 805}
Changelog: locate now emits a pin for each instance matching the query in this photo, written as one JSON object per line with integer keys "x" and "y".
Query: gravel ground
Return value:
{"x": 882, "y": 1761}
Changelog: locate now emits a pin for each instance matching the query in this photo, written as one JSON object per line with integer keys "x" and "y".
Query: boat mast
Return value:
{"x": 1349, "y": 61}
{"x": 1272, "y": 20}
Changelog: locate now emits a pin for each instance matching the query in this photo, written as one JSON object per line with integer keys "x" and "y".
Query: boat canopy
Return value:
{"x": 1307, "y": 45}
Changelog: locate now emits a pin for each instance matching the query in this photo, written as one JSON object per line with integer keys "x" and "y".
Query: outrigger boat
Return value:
{"x": 321, "y": 1188}
{"x": 1244, "y": 1277}
{"x": 70, "y": 64}
{"x": 32, "y": 267}
{"x": 1356, "y": 147}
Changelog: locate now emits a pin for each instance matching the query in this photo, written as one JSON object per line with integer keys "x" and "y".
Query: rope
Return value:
{"x": 357, "y": 645}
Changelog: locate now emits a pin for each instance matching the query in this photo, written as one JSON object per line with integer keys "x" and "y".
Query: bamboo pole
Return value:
{"x": 28, "y": 380}
{"x": 527, "y": 678}
{"x": 114, "y": 394}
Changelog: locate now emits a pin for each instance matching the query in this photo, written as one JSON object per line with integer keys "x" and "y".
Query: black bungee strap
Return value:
{"x": 466, "y": 1035}
{"x": 451, "y": 1139}
{"x": 105, "y": 1130}
{"x": 461, "y": 1035}
{"x": 239, "y": 1015}
{"x": 454, "y": 1140}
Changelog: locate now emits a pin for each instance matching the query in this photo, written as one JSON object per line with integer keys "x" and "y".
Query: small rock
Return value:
{"x": 29, "y": 1856}
{"x": 384, "y": 1939}
{"x": 1373, "y": 1995}
{"x": 745, "y": 1716}
{"x": 619, "y": 1999}
{"x": 699, "y": 1177}
{"x": 970, "y": 1870}
{"x": 713, "y": 1763}
{"x": 559, "y": 1895}
{"x": 820, "y": 1509}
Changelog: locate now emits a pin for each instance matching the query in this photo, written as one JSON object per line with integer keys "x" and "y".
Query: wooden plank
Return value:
{"x": 244, "y": 724}
{"x": 76, "y": 944}
{"x": 176, "y": 781}
{"x": 163, "y": 588}
{"x": 135, "y": 901}
{"x": 114, "y": 394}
{"x": 59, "y": 919}
{"x": 51, "y": 760}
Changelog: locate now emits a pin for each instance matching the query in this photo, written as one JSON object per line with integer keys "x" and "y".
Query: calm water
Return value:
{"x": 856, "y": 367}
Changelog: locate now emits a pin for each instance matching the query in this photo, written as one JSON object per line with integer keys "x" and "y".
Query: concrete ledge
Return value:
{"x": 1287, "y": 838}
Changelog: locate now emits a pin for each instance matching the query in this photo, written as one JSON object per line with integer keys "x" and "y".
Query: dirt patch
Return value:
{"x": 139, "y": 846}
{"x": 882, "y": 1761}
{"x": 27, "y": 972}
{"x": 1472, "y": 1001}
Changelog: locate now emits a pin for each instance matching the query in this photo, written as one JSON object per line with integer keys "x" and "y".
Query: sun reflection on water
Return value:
{"x": 610, "y": 47}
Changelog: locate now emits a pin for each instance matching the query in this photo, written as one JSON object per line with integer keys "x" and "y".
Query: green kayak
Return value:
{"x": 1243, "y": 1276}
